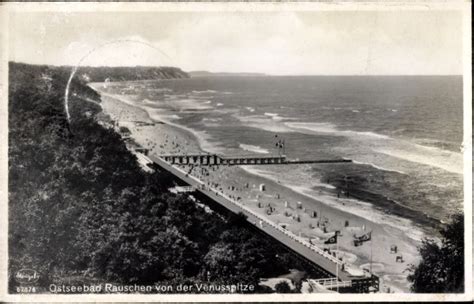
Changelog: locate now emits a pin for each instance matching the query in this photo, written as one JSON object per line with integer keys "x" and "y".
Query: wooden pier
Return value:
{"x": 215, "y": 159}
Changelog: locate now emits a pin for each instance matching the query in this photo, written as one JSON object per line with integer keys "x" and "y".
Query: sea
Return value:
{"x": 403, "y": 133}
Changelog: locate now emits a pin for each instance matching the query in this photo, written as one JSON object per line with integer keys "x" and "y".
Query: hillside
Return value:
{"x": 82, "y": 211}
{"x": 101, "y": 74}
{"x": 98, "y": 74}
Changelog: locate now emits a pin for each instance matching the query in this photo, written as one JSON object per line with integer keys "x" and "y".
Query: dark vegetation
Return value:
{"x": 283, "y": 287}
{"x": 81, "y": 210}
{"x": 130, "y": 73}
{"x": 441, "y": 269}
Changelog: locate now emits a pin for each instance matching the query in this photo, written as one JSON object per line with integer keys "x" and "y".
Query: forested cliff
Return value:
{"x": 81, "y": 209}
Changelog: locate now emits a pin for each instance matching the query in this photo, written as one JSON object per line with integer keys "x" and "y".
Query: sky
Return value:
{"x": 425, "y": 42}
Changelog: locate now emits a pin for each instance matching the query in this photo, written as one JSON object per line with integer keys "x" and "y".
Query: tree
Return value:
{"x": 283, "y": 287}
{"x": 441, "y": 269}
{"x": 81, "y": 208}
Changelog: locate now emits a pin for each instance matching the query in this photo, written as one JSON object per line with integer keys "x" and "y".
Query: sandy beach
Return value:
{"x": 314, "y": 217}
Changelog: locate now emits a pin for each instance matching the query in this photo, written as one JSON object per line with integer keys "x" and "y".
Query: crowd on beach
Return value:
{"x": 223, "y": 179}
{"x": 308, "y": 224}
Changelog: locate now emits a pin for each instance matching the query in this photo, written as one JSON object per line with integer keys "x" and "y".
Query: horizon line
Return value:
{"x": 262, "y": 74}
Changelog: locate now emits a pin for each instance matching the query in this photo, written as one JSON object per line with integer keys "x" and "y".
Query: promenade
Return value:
{"x": 325, "y": 261}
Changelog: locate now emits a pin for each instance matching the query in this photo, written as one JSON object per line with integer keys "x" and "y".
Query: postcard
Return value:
{"x": 236, "y": 151}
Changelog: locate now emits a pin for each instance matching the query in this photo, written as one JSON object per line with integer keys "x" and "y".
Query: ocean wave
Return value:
{"x": 174, "y": 96}
{"x": 173, "y": 116}
{"x": 276, "y": 116}
{"x": 371, "y": 134}
{"x": 270, "y": 114}
{"x": 430, "y": 156}
{"x": 250, "y": 109}
{"x": 367, "y": 211}
{"x": 356, "y": 207}
{"x": 252, "y": 148}
{"x": 160, "y": 115}
{"x": 203, "y": 138}
{"x": 448, "y": 145}
{"x": 217, "y": 119}
{"x": 394, "y": 147}
{"x": 204, "y": 92}
{"x": 263, "y": 123}
{"x": 324, "y": 127}
{"x": 159, "y": 90}
{"x": 211, "y": 122}
{"x": 189, "y": 104}
{"x": 271, "y": 122}
{"x": 378, "y": 167}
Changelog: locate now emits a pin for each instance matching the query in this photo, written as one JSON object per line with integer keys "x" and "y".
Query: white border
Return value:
{"x": 467, "y": 95}
{"x": 464, "y": 6}
{"x": 3, "y": 151}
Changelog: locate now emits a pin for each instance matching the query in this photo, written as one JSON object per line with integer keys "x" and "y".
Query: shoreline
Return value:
{"x": 192, "y": 134}
{"x": 326, "y": 199}
{"x": 379, "y": 203}
{"x": 173, "y": 131}
{"x": 203, "y": 147}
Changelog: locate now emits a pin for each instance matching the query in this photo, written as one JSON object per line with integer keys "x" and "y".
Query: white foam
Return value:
{"x": 204, "y": 92}
{"x": 159, "y": 90}
{"x": 270, "y": 114}
{"x": 359, "y": 208}
{"x": 173, "y": 116}
{"x": 378, "y": 167}
{"x": 431, "y": 156}
{"x": 189, "y": 104}
{"x": 325, "y": 127}
{"x": 398, "y": 148}
{"x": 276, "y": 116}
{"x": 322, "y": 127}
{"x": 217, "y": 119}
{"x": 252, "y": 148}
{"x": 175, "y": 96}
{"x": 154, "y": 114}
{"x": 250, "y": 109}
{"x": 370, "y": 134}
{"x": 263, "y": 123}
{"x": 202, "y": 137}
